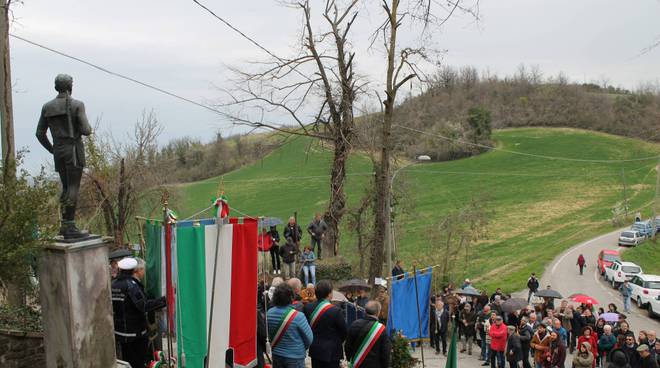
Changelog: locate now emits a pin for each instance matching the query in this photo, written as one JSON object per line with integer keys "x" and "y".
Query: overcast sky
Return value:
{"x": 175, "y": 45}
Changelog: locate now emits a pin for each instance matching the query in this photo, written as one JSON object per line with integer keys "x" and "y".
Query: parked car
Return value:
{"x": 643, "y": 227}
{"x": 654, "y": 307}
{"x": 630, "y": 238}
{"x": 645, "y": 288}
{"x": 620, "y": 271}
{"x": 606, "y": 257}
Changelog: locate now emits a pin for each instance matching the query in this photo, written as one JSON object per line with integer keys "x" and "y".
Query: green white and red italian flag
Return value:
{"x": 181, "y": 260}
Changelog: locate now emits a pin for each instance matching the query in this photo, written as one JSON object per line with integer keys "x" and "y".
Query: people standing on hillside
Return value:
{"x": 275, "y": 250}
{"x": 293, "y": 231}
{"x": 397, "y": 270}
{"x": 289, "y": 251}
{"x": 626, "y": 293}
{"x": 328, "y": 326}
{"x": 308, "y": 266}
{"x": 289, "y": 331}
{"x": 367, "y": 344}
{"x": 532, "y": 286}
{"x": 581, "y": 262}
{"x": 316, "y": 230}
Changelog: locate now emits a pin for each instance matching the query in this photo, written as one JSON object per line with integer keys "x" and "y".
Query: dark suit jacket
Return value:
{"x": 433, "y": 321}
{"x": 379, "y": 355}
{"x": 329, "y": 334}
{"x": 514, "y": 349}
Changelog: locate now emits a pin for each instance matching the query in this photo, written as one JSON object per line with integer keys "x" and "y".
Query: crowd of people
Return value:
{"x": 540, "y": 336}
{"x": 308, "y": 322}
{"x": 297, "y": 319}
{"x": 285, "y": 257}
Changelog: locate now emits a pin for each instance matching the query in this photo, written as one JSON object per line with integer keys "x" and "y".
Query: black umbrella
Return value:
{"x": 468, "y": 291}
{"x": 514, "y": 304}
{"x": 354, "y": 285}
{"x": 120, "y": 253}
{"x": 548, "y": 293}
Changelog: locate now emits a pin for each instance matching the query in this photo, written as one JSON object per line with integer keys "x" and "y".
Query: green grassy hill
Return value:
{"x": 539, "y": 206}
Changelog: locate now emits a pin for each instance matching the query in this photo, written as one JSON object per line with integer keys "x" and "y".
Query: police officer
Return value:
{"x": 130, "y": 306}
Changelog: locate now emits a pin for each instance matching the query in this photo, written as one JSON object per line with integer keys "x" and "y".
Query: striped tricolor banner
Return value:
{"x": 284, "y": 325}
{"x": 321, "y": 308}
{"x": 372, "y": 336}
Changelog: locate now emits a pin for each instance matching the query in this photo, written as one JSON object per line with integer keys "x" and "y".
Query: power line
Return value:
{"x": 253, "y": 41}
{"x": 557, "y": 158}
{"x": 119, "y": 75}
{"x": 236, "y": 30}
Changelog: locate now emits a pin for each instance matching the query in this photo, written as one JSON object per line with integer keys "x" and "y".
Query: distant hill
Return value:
{"x": 525, "y": 99}
{"x": 540, "y": 206}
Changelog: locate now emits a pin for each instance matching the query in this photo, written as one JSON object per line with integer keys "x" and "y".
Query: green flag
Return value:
{"x": 452, "y": 356}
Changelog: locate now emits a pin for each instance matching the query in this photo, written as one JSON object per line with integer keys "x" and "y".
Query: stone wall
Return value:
{"x": 21, "y": 349}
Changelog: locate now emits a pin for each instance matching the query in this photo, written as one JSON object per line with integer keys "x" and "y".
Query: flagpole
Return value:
{"x": 218, "y": 222}
{"x": 168, "y": 265}
{"x": 419, "y": 317}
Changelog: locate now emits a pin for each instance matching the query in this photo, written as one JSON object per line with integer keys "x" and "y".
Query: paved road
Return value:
{"x": 563, "y": 275}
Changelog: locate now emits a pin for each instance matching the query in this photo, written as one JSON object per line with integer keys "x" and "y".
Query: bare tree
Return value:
{"x": 359, "y": 218}
{"x": 320, "y": 75}
{"x": 457, "y": 232}
{"x": 401, "y": 67}
{"x": 120, "y": 175}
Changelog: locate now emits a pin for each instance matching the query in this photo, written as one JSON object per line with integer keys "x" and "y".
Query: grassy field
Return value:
{"x": 539, "y": 206}
{"x": 646, "y": 255}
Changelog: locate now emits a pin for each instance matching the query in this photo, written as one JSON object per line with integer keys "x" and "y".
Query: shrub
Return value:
{"x": 20, "y": 318}
{"x": 401, "y": 357}
{"x": 27, "y": 222}
{"x": 335, "y": 269}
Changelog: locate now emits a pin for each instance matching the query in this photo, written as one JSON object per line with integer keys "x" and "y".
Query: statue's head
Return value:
{"x": 63, "y": 83}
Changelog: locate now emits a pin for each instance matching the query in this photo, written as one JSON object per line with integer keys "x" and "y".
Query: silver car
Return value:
{"x": 630, "y": 238}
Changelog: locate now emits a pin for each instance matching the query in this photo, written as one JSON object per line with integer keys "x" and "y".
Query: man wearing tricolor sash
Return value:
{"x": 289, "y": 332}
{"x": 367, "y": 344}
{"x": 328, "y": 326}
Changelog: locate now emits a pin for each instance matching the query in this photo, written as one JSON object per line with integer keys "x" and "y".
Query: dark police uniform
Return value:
{"x": 130, "y": 306}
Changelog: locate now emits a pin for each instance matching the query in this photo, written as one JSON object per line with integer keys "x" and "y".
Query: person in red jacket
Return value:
{"x": 581, "y": 262}
{"x": 588, "y": 335}
{"x": 498, "y": 336}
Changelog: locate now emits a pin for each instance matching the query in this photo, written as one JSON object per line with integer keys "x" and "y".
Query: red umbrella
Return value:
{"x": 583, "y": 299}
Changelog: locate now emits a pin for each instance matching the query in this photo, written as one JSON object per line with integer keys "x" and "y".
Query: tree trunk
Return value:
{"x": 6, "y": 109}
{"x": 337, "y": 204}
{"x": 382, "y": 181}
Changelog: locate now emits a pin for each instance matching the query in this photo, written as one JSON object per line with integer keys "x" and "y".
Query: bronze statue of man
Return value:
{"x": 66, "y": 119}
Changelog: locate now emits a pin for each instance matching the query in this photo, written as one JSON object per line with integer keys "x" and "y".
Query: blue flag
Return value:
{"x": 403, "y": 315}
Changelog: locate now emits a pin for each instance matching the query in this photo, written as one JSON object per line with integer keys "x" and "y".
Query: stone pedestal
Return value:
{"x": 76, "y": 305}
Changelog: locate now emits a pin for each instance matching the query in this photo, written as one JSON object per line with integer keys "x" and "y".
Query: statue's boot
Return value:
{"x": 69, "y": 230}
